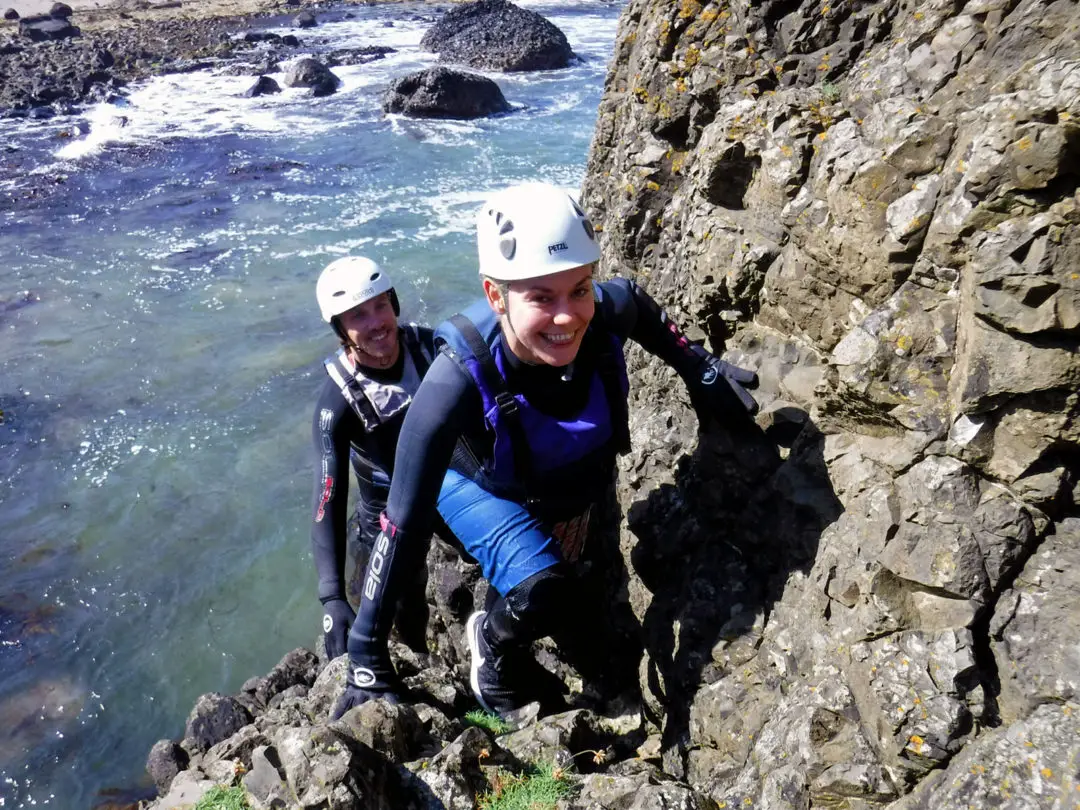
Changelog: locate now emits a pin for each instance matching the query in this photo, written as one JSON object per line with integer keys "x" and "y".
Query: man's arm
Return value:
{"x": 332, "y": 423}
{"x": 438, "y": 416}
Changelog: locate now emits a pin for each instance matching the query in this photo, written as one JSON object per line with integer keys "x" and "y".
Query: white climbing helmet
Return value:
{"x": 350, "y": 281}
{"x": 532, "y": 230}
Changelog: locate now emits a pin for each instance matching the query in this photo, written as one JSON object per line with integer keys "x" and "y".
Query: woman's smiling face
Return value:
{"x": 544, "y": 319}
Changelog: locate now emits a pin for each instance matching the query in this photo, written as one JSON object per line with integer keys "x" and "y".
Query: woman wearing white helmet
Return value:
{"x": 370, "y": 383}
{"x": 530, "y": 387}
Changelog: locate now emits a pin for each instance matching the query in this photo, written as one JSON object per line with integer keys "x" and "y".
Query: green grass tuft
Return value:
{"x": 223, "y": 798}
{"x": 539, "y": 790}
{"x": 490, "y": 722}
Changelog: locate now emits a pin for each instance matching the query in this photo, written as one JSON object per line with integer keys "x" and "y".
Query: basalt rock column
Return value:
{"x": 875, "y": 205}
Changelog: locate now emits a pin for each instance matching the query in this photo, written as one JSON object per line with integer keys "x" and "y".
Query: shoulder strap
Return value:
{"x": 504, "y": 400}
{"x": 421, "y": 355}
{"x": 350, "y": 389}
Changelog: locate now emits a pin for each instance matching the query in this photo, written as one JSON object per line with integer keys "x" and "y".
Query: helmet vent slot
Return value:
{"x": 508, "y": 247}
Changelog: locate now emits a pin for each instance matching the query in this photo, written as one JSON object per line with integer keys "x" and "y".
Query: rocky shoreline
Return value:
{"x": 136, "y": 40}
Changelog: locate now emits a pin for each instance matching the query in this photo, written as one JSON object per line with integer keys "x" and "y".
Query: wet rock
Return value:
{"x": 305, "y": 19}
{"x": 42, "y": 29}
{"x": 497, "y": 35}
{"x": 358, "y": 56}
{"x": 60, "y": 11}
{"x": 312, "y": 73}
{"x": 441, "y": 92}
{"x": 165, "y": 761}
{"x": 214, "y": 718}
{"x": 264, "y": 85}
{"x": 11, "y": 14}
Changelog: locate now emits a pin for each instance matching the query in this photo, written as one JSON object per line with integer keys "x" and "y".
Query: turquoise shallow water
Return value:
{"x": 159, "y": 356}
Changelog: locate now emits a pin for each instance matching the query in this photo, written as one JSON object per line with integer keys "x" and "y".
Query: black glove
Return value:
{"x": 369, "y": 678}
{"x": 721, "y": 388}
{"x": 337, "y": 619}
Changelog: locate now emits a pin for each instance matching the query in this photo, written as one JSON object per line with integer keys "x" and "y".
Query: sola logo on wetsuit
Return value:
{"x": 375, "y": 567}
{"x": 709, "y": 377}
{"x": 363, "y": 677}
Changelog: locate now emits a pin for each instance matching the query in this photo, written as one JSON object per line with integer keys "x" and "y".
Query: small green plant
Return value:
{"x": 830, "y": 93}
{"x": 539, "y": 789}
{"x": 220, "y": 797}
{"x": 490, "y": 722}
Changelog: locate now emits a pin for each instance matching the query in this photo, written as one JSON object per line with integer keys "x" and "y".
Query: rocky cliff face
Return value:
{"x": 875, "y": 205}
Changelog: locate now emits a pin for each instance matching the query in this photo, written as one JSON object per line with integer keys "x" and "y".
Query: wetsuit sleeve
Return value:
{"x": 628, "y": 311}
{"x": 440, "y": 413}
{"x": 330, "y": 430}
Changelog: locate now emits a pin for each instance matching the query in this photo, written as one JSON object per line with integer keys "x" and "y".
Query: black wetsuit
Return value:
{"x": 339, "y": 436}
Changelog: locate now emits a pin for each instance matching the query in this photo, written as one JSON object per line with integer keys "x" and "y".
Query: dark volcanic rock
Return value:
{"x": 11, "y": 14}
{"x": 60, "y": 11}
{"x": 312, "y": 73}
{"x": 43, "y": 28}
{"x": 305, "y": 19}
{"x": 358, "y": 56}
{"x": 215, "y": 718}
{"x": 264, "y": 85}
{"x": 59, "y": 73}
{"x": 497, "y": 35}
{"x": 166, "y": 760}
{"x": 440, "y": 92}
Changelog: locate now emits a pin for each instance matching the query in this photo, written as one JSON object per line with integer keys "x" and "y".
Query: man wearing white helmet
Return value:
{"x": 370, "y": 383}
{"x": 530, "y": 387}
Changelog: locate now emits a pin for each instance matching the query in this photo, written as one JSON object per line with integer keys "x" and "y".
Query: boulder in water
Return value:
{"x": 43, "y": 28}
{"x": 441, "y": 92}
{"x": 60, "y": 11}
{"x": 11, "y": 14}
{"x": 358, "y": 56}
{"x": 264, "y": 85}
{"x": 165, "y": 761}
{"x": 497, "y": 35}
{"x": 305, "y": 19}
{"x": 312, "y": 73}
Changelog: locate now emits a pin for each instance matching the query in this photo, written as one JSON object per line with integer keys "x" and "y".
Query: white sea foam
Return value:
{"x": 208, "y": 103}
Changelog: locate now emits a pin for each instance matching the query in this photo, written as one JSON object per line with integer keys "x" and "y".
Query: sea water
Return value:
{"x": 160, "y": 351}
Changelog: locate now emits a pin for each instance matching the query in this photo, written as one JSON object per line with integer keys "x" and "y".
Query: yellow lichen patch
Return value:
{"x": 1047, "y": 773}
{"x": 680, "y": 85}
{"x": 916, "y": 743}
{"x": 630, "y": 38}
{"x": 708, "y": 15}
{"x": 692, "y": 57}
{"x": 652, "y": 185}
{"x": 1024, "y": 143}
{"x": 689, "y": 8}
